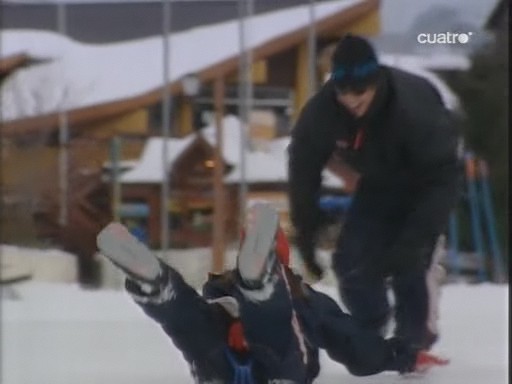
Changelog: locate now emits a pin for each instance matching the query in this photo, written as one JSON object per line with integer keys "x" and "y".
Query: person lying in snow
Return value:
{"x": 258, "y": 323}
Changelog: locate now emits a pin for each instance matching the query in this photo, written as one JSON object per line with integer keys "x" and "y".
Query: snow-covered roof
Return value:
{"x": 84, "y": 75}
{"x": 279, "y": 149}
{"x": 149, "y": 169}
{"x": 231, "y": 138}
{"x": 36, "y": 44}
{"x": 261, "y": 166}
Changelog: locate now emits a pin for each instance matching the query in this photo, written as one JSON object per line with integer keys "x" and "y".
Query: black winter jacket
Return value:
{"x": 408, "y": 156}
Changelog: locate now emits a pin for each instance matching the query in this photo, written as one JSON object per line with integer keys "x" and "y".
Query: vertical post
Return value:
{"x": 116, "y": 186}
{"x": 219, "y": 220}
{"x": 475, "y": 215}
{"x": 312, "y": 49}
{"x": 63, "y": 134}
{"x": 498, "y": 269}
{"x": 302, "y": 86}
{"x": 166, "y": 123}
{"x": 245, "y": 91}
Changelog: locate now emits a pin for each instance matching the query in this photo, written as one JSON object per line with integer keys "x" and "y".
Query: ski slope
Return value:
{"x": 58, "y": 333}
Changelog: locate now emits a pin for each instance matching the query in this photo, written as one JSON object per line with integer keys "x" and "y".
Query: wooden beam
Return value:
{"x": 369, "y": 25}
{"x": 185, "y": 117}
{"x": 12, "y": 62}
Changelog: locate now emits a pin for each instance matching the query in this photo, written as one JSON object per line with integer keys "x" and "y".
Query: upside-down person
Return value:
{"x": 258, "y": 323}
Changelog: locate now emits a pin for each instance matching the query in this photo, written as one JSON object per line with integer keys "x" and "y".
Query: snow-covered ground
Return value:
{"x": 58, "y": 333}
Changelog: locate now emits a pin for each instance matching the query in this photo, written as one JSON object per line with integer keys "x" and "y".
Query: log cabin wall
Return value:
{"x": 190, "y": 206}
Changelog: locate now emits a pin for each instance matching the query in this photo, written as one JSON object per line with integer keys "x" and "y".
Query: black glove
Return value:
{"x": 404, "y": 356}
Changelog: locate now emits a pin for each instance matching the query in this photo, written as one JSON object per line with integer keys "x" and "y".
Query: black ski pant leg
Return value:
{"x": 272, "y": 329}
{"x": 194, "y": 326}
{"x": 357, "y": 263}
{"x": 362, "y": 351}
{"x": 412, "y": 299}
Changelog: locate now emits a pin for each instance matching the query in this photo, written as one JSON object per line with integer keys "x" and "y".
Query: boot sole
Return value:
{"x": 126, "y": 252}
{"x": 256, "y": 257}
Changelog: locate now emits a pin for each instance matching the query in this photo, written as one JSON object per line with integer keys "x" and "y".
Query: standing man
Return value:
{"x": 392, "y": 128}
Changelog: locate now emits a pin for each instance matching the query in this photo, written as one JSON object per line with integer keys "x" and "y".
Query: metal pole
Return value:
{"x": 63, "y": 134}
{"x": 245, "y": 91}
{"x": 312, "y": 49}
{"x": 219, "y": 221}
{"x": 116, "y": 186}
{"x": 166, "y": 125}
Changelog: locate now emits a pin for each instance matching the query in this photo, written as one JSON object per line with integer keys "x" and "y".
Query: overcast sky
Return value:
{"x": 398, "y": 16}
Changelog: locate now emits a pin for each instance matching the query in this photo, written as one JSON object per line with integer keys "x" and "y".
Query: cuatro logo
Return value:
{"x": 444, "y": 38}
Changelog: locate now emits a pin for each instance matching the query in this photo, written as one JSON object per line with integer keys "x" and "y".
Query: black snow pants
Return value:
{"x": 365, "y": 267}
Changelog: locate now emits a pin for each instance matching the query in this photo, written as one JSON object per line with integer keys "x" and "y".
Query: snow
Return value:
{"x": 85, "y": 75}
{"x": 149, "y": 169}
{"x": 42, "y": 264}
{"x": 231, "y": 137}
{"x": 260, "y": 167}
{"x": 58, "y": 333}
{"x": 30, "y": 42}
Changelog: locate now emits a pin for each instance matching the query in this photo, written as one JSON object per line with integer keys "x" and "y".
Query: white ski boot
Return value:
{"x": 126, "y": 252}
{"x": 257, "y": 257}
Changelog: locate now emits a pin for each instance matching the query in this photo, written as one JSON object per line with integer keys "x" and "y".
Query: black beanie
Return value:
{"x": 354, "y": 63}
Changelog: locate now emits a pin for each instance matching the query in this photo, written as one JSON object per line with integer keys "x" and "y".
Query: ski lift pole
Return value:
{"x": 115, "y": 146}
{"x": 63, "y": 134}
{"x": 475, "y": 214}
{"x": 312, "y": 49}
{"x": 490, "y": 218}
{"x": 245, "y": 92}
{"x": 166, "y": 125}
{"x": 219, "y": 219}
